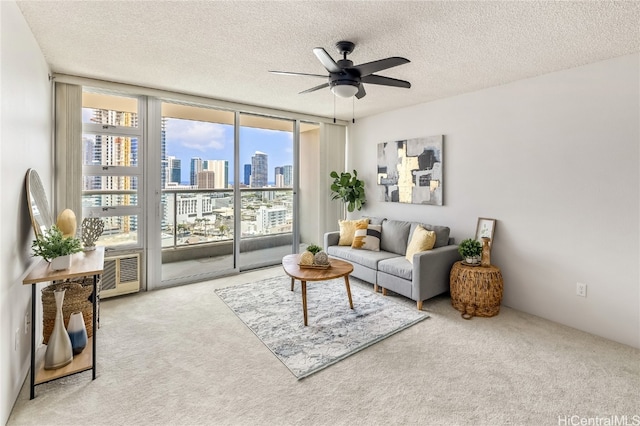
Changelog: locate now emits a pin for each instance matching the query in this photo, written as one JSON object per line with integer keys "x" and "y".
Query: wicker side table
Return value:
{"x": 476, "y": 290}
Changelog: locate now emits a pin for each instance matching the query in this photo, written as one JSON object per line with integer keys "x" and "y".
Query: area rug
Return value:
{"x": 274, "y": 313}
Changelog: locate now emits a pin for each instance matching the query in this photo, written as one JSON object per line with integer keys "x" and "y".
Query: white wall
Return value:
{"x": 25, "y": 142}
{"x": 555, "y": 160}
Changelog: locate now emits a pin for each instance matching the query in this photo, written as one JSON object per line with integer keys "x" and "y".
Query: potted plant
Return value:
{"x": 470, "y": 250}
{"x": 55, "y": 248}
{"x": 349, "y": 189}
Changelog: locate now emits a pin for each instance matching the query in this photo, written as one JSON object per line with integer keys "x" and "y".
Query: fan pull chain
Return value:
{"x": 353, "y": 109}
{"x": 334, "y": 109}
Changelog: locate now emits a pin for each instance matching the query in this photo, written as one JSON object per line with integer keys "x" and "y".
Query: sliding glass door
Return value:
{"x": 197, "y": 202}
{"x": 267, "y": 196}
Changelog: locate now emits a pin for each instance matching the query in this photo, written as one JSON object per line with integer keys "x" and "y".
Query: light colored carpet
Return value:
{"x": 334, "y": 331}
{"x": 180, "y": 357}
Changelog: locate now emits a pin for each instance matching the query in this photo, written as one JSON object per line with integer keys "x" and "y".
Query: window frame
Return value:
{"x": 119, "y": 171}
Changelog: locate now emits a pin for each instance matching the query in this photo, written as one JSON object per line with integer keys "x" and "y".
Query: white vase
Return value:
{"x": 61, "y": 262}
{"x": 77, "y": 332}
{"x": 59, "y": 352}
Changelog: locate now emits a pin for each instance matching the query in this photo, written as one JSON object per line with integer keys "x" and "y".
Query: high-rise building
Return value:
{"x": 288, "y": 175}
{"x": 279, "y": 177}
{"x": 114, "y": 151}
{"x": 221, "y": 169}
{"x": 174, "y": 170}
{"x": 259, "y": 170}
{"x": 206, "y": 179}
{"x": 247, "y": 174}
{"x": 164, "y": 164}
{"x": 196, "y": 167}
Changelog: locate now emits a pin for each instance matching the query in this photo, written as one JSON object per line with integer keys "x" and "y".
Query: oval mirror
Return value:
{"x": 38, "y": 205}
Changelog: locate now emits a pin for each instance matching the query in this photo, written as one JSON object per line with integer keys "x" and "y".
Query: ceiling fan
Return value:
{"x": 345, "y": 79}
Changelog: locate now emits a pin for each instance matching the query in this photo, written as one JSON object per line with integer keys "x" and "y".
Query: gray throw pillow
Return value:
{"x": 395, "y": 235}
{"x": 374, "y": 220}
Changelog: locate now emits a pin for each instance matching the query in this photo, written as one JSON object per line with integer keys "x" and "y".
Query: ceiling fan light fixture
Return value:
{"x": 345, "y": 89}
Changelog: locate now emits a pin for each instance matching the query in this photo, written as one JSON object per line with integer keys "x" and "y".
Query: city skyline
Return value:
{"x": 187, "y": 139}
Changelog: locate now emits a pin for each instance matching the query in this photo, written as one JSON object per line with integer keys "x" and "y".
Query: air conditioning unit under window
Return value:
{"x": 121, "y": 275}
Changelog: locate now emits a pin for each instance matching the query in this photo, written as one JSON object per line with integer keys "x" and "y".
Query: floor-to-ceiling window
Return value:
{"x": 221, "y": 199}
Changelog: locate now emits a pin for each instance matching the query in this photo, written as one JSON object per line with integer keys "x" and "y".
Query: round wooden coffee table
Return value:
{"x": 338, "y": 268}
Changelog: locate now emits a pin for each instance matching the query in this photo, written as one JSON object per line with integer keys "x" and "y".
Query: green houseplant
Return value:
{"x": 53, "y": 245}
{"x": 470, "y": 250}
{"x": 313, "y": 248}
{"x": 349, "y": 189}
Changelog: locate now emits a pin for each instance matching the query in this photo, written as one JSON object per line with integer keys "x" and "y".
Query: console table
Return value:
{"x": 83, "y": 264}
{"x": 476, "y": 290}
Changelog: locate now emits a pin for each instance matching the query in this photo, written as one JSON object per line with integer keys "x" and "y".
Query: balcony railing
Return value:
{"x": 192, "y": 217}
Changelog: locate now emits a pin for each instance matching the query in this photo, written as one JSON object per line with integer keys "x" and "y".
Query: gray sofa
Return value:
{"x": 389, "y": 269}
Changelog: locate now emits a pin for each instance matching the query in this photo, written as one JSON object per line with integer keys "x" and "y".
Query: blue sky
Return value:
{"x": 211, "y": 141}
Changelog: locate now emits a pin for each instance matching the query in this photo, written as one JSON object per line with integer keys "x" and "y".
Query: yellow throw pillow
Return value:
{"x": 348, "y": 229}
{"x": 422, "y": 240}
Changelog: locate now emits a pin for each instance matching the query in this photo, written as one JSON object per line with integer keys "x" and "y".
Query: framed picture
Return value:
{"x": 486, "y": 227}
{"x": 410, "y": 171}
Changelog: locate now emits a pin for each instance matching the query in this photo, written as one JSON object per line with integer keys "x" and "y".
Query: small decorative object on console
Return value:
{"x": 67, "y": 223}
{"x": 59, "y": 352}
{"x": 92, "y": 228}
{"x": 77, "y": 332}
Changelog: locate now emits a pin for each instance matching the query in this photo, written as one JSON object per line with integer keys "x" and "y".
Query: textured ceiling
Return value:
{"x": 223, "y": 49}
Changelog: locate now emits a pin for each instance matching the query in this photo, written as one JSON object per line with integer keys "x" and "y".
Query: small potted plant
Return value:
{"x": 55, "y": 248}
{"x": 470, "y": 250}
{"x": 314, "y": 248}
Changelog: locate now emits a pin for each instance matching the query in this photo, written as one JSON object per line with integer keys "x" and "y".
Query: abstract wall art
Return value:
{"x": 410, "y": 171}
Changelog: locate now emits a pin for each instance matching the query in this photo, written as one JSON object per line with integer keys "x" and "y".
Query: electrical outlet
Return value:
{"x": 581, "y": 289}
{"x": 16, "y": 339}
{"x": 26, "y": 322}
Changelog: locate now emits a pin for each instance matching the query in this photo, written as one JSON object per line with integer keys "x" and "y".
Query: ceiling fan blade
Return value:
{"x": 385, "y": 81}
{"x": 313, "y": 89}
{"x": 379, "y": 65}
{"x": 361, "y": 92}
{"x": 326, "y": 60}
{"x": 297, "y": 73}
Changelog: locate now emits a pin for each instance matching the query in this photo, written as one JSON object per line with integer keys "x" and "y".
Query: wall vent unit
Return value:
{"x": 121, "y": 275}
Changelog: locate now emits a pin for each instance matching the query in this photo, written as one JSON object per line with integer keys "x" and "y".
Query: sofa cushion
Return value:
{"x": 374, "y": 220}
{"x": 398, "y": 266}
{"x": 367, "y": 237}
{"x": 348, "y": 229}
{"x": 442, "y": 233}
{"x": 395, "y": 234}
{"x": 366, "y": 258}
{"x": 421, "y": 240}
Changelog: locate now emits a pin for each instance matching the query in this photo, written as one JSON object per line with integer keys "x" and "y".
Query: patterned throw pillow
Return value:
{"x": 348, "y": 229}
{"x": 367, "y": 237}
{"x": 422, "y": 240}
